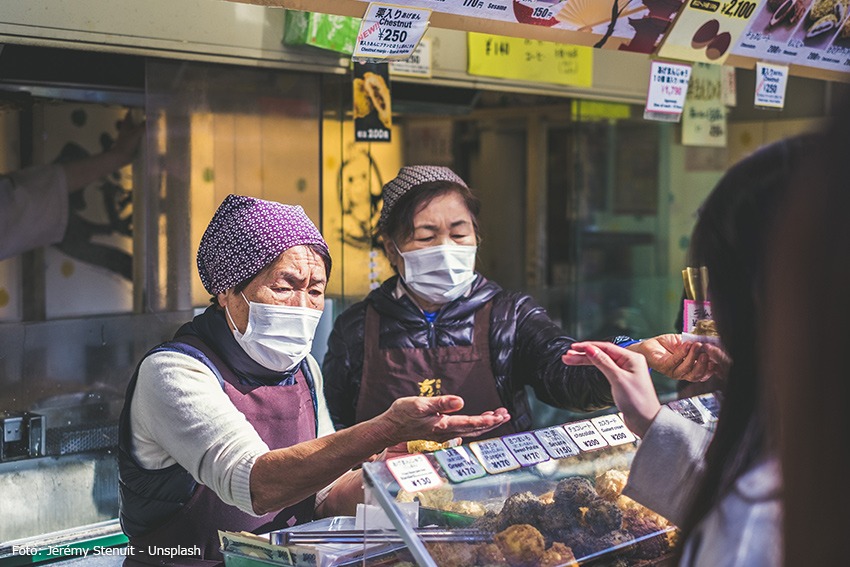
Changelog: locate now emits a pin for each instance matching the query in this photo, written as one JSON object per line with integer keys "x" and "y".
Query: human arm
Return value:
{"x": 671, "y": 452}
{"x": 82, "y": 172}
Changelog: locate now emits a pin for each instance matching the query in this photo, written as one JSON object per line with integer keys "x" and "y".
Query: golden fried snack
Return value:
{"x": 558, "y": 555}
{"x": 490, "y": 554}
{"x": 521, "y": 544}
{"x": 466, "y": 507}
{"x": 379, "y": 94}
{"x": 437, "y": 498}
{"x": 609, "y": 485}
{"x": 362, "y": 102}
{"x": 424, "y": 446}
{"x": 453, "y": 554}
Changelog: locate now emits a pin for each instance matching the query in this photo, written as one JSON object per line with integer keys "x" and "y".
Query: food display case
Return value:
{"x": 546, "y": 497}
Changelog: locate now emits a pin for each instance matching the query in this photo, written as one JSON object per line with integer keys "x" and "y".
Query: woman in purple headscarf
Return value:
{"x": 225, "y": 427}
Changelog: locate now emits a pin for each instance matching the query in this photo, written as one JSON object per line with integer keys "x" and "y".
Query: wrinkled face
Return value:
{"x": 444, "y": 220}
{"x": 295, "y": 279}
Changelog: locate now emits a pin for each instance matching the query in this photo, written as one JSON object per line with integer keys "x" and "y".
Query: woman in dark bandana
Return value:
{"x": 225, "y": 427}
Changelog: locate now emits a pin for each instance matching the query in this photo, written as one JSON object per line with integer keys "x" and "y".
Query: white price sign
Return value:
{"x": 390, "y": 32}
{"x": 668, "y": 87}
{"x": 527, "y": 450}
{"x": 494, "y": 455}
{"x": 585, "y": 435}
{"x": 770, "y": 85}
{"x": 459, "y": 464}
{"x": 613, "y": 429}
{"x": 556, "y": 442}
{"x": 414, "y": 473}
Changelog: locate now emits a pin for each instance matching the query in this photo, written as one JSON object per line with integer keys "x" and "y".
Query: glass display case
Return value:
{"x": 546, "y": 497}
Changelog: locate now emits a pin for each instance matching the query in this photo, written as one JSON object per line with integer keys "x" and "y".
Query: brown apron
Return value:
{"x": 282, "y": 416}
{"x": 463, "y": 371}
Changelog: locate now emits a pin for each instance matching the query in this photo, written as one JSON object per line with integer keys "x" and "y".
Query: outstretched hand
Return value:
{"x": 417, "y": 417}
{"x": 628, "y": 375}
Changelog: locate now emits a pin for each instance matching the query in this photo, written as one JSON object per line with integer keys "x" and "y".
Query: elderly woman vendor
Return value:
{"x": 225, "y": 427}
{"x": 441, "y": 327}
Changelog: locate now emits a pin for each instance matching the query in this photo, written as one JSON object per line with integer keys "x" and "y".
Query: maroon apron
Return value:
{"x": 463, "y": 371}
{"x": 283, "y": 416}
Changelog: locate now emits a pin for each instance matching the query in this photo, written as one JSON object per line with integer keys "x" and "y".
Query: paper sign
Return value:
{"x": 585, "y": 435}
{"x": 770, "y": 85}
{"x": 529, "y": 60}
{"x": 527, "y": 450}
{"x": 704, "y": 119}
{"x": 556, "y": 442}
{"x": 668, "y": 87}
{"x": 417, "y": 65}
{"x": 494, "y": 455}
{"x": 613, "y": 429}
{"x": 372, "y": 100}
{"x": 389, "y": 32}
{"x": 458, "y": 464}
{"x": 694, "y": 311}
{"x": 728, "y": 86}
{"x": 414, "y": 473}
{"x": 706, "y": 30}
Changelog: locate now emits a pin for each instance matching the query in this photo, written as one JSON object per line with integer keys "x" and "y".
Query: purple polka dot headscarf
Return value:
{"x": 247, "y": 234}
{"x": 411, "y": 176}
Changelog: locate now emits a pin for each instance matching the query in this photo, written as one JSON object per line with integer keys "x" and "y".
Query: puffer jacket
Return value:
{"x": 525, "y": 349}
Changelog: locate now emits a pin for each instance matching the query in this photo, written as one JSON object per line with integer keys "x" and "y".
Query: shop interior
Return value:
{"x": 586, "y": 205}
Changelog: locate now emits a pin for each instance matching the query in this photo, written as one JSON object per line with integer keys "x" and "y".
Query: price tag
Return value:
{"x": 770, "y": 85}
{"x": 556, "y": 442}
{"x": 417, "y": 65}
{"x": 686, "y": 408}
{"x": 390, "y": 32}
{"x": 711, "y": 405}
{"x": 459, "y": 465}
{"x": 494, "y": 455}
{"x": 585, "y": 435}
{"x": 527, "y": 450}
{"x": 613, "y": 429}
{"x": 414, "y": 473}
{"x": 668, "y": 87}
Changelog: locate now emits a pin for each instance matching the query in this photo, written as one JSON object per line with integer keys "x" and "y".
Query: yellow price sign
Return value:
{"x": 530, "y": 60}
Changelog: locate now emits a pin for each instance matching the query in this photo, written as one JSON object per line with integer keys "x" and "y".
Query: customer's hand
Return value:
{"x": 418, "y": 417}
{"x": 628, "y": 375}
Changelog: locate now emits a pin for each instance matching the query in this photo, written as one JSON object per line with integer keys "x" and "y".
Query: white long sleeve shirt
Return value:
{"x": 180, "y": 414}
{"x": 33, "y": 209}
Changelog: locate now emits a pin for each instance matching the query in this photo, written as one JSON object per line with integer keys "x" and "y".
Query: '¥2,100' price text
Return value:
{"x": 736, "y": 9}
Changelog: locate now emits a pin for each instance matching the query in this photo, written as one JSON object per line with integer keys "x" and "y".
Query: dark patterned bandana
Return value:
{"x": 247, "y": 234}
{"x": 409, "y": 177}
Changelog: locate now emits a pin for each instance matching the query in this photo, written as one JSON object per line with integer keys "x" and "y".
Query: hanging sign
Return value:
{"x": 707, "y": 30}
{"x": 417, "y": 65}
{"x": 704, "y": 119}
{"x": 668, "y": 87}
{"x": 390, "y": 32}
{"x": 414, "y": 473}
{"x": 814, "y": 33}
{"x": 529, "y": 60}
{"x": 373, "y": 117}
{"x": 770, "y": 85}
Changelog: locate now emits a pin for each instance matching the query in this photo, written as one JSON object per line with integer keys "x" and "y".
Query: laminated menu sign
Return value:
{"x": 613, "y": 429}
{"x": 459, "y": 464}
{"x": 389, "y": 32}
{"x": 585, "y": 435}
{"x": 527, "y": 450}
{"x": 668, "y": 87}
{"x": 373, "y": 116}
{"x": 494, "y": 455}
{"x": 704, "y": 119}
{"x": 770, "y": 85}
{"x": 414, "y": 473}
{"x": 706, "y": 30}
{"x": 813, "y": 33}
{"x": 556, "y": 442}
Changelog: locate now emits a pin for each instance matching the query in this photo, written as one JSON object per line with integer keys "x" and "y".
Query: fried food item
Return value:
{"x": 425, "y": 446}
{"x": 557, "y": 555}
{"x": 466, "y": 507}
{"x": 521, "y": 544}
{"x": 362, "y": 102}
{"x": 603, "y": 517}
{"x": 609, "y": 485}
{"x": 437, "y": 498}
{"x": 379, "y": 94}
{"x": 489, "y": 555}
{"x": 522, "y": 508}
{"x": 454, "y": 554}
{"x": 574, "y": 492}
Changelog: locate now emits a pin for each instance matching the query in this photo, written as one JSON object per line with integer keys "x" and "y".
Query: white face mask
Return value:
{"x": 439, "y": 274}
{"x": 277, "y": 337}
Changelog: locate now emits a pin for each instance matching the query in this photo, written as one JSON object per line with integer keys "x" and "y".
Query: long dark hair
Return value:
{"x": 730, "y": 239}
{"x": 805, "y": 354}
